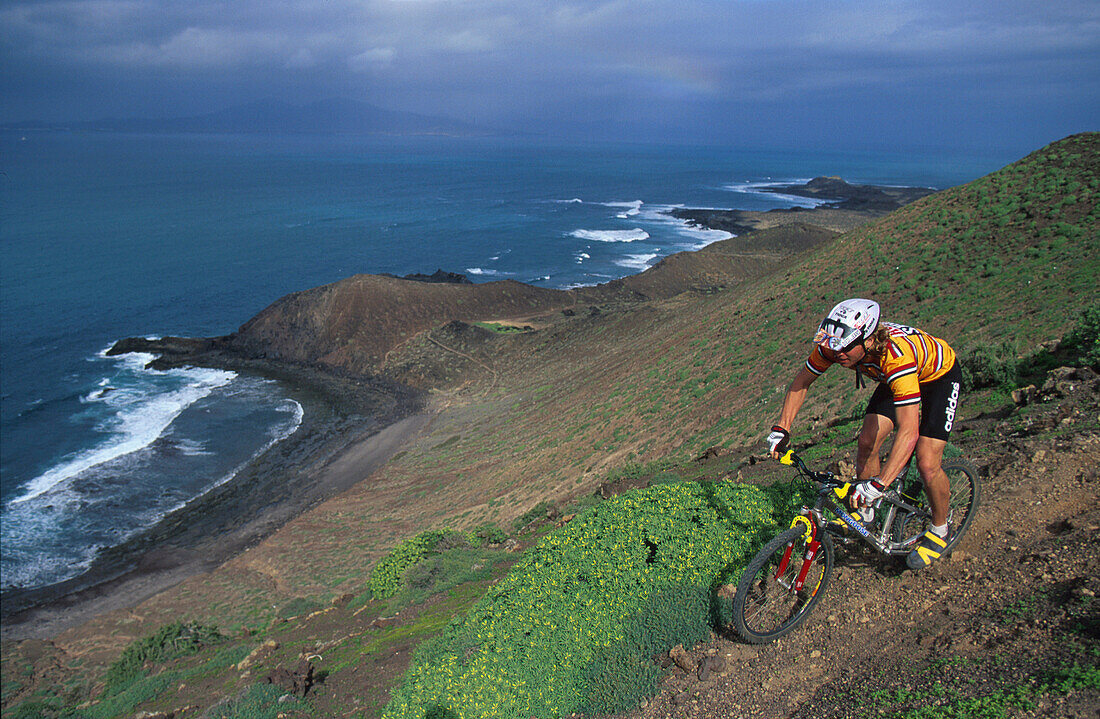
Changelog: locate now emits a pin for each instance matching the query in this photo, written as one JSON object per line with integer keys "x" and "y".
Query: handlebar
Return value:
{"x": 827, "y": 478}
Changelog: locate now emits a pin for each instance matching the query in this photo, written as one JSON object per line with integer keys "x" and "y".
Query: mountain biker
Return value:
{"x": 918, "y": 394}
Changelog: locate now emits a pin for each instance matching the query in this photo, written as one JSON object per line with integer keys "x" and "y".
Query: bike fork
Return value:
{"x": 811, "y": 554}
{"x": 808, "y": 559}
{"x": 782, "y": 568}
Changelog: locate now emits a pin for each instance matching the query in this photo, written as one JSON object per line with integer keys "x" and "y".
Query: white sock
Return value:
{"x": 940, "y": 530}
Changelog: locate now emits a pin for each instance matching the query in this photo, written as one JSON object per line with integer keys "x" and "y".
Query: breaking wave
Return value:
{"x": 633, "y": 235}
{"x": 135, "y": 414}
{"x": 637, "y": 262}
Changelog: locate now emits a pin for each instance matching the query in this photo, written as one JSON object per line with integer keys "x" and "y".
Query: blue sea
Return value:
{"x": 106, "y": 236}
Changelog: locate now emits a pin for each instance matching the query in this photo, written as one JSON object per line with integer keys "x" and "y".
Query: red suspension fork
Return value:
{"x": 785, "y": 561}
{"x": 811, "y": 531}
{"x": 811, "y": 554}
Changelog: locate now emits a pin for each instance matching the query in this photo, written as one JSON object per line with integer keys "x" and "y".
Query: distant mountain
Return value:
{"x": 333, "y": 116}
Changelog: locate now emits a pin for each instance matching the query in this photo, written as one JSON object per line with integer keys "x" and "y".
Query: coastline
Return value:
{"x": 351, "y": 426}
{"x": 364, "y": 420}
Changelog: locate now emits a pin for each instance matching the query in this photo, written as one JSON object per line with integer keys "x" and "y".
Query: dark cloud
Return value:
{"x": 710, "y": 69}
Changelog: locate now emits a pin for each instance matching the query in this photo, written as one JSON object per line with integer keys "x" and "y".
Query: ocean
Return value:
{"x": 106, "y": 236}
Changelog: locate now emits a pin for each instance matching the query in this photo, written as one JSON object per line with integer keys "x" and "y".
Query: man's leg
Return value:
{"x": 938, "y": 489}
{"x": 868, "y": 459}
{"x": 936, "y": 485}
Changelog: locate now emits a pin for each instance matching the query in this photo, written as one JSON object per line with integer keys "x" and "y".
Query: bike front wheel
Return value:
{"x": 767, "y": 606}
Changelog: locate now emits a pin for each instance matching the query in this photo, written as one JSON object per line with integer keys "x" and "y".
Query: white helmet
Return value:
{"x": 848, "y": 323}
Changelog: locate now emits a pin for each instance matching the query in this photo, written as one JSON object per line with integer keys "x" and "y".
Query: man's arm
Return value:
{"x": 796, "y": 395}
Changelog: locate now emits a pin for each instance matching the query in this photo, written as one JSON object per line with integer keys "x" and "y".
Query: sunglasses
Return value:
{"x": 830, "y": 353}
{"x": 850, "y": 346}
{"x": 827, "y": 339}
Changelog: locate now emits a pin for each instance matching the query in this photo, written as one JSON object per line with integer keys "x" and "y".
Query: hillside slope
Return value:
{"x": 351, "y": 325}
{"x": 548, "y": 414}
{"x": 1012, "y": 257}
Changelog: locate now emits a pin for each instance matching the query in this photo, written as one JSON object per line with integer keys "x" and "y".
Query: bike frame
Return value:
{"x": 830, "y": 488}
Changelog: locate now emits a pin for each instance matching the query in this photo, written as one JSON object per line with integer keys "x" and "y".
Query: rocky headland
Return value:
{"x": 844, "y": 207}
{"x": 840, "y": 195}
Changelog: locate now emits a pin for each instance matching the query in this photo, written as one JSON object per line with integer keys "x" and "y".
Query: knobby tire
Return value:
{"x": 763, "y": 609}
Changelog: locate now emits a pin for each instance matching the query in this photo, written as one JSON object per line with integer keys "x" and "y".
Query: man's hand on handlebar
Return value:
{"x": 778, "y": 441}
{"x": 865, "y": 494}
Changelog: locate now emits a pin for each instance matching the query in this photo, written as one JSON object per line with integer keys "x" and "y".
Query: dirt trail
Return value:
{"x": 1015, "y": 599}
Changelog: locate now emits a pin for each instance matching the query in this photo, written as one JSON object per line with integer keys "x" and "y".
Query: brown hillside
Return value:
{"x": 725, "y": 263}
{"x": 1008, "y": 258}
{"x": 354, "y": 323}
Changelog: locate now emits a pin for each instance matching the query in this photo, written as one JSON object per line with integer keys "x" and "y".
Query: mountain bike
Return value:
{"x": 786, "y": 579}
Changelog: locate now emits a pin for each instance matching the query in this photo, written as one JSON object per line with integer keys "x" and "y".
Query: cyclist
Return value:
{"x": 918, "y": 394}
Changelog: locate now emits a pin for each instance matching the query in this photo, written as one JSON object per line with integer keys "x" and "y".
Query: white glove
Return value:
{"x": 867, "y": 492}
{"x": 778, "y": 439}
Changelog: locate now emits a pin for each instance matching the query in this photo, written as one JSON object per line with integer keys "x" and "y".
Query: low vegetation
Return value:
{"x": 575, "y": 623}
{"x": 1000, "y": 365}
{"x": 941, "y": 694}
{"x": 173, "y": 640}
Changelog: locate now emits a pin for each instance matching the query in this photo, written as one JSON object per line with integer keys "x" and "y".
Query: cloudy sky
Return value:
{"x": 997, "y": 73}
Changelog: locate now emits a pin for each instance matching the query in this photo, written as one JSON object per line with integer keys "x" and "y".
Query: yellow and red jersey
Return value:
{"x": 911, "y": 357}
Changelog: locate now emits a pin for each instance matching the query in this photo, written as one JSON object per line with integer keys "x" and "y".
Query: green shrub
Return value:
{"x": 172, "y": 640}
{"x": 537, "y": 512}
{"x": 386, "y": 577}
{"x": 989, "y": 365}
{"x": 134, "y": 693}
{"x": 621, "y": 675}
{"x": 630, "y": 574}
{"x": 665, "y": 478}
{"x": 1084, "y": 339}
{"x": 34, "y": 709}
{"x": 1079, "y": 347}
{"x": 451, "y": 539}
{"x": 432, "y": 562}
{"x": 1073, "y": 678}
{"x": 490, "y": 534}
{"x": 443, "y": 571}
{"x": 582, "y": 503}
{"x": 927, "y": 291}
{"x": 261, "y": 701}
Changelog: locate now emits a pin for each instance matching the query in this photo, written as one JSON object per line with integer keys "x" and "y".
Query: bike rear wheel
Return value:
{"x": 965, "y": 497}
{"x": 766, "y": 607}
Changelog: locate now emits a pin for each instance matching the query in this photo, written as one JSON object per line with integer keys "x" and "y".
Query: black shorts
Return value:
{"x": 939, "y": 401}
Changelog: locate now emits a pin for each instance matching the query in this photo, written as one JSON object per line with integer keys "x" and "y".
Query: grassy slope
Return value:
{"x": 968, "y": 265}
{"x": 1013, "y": 255}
